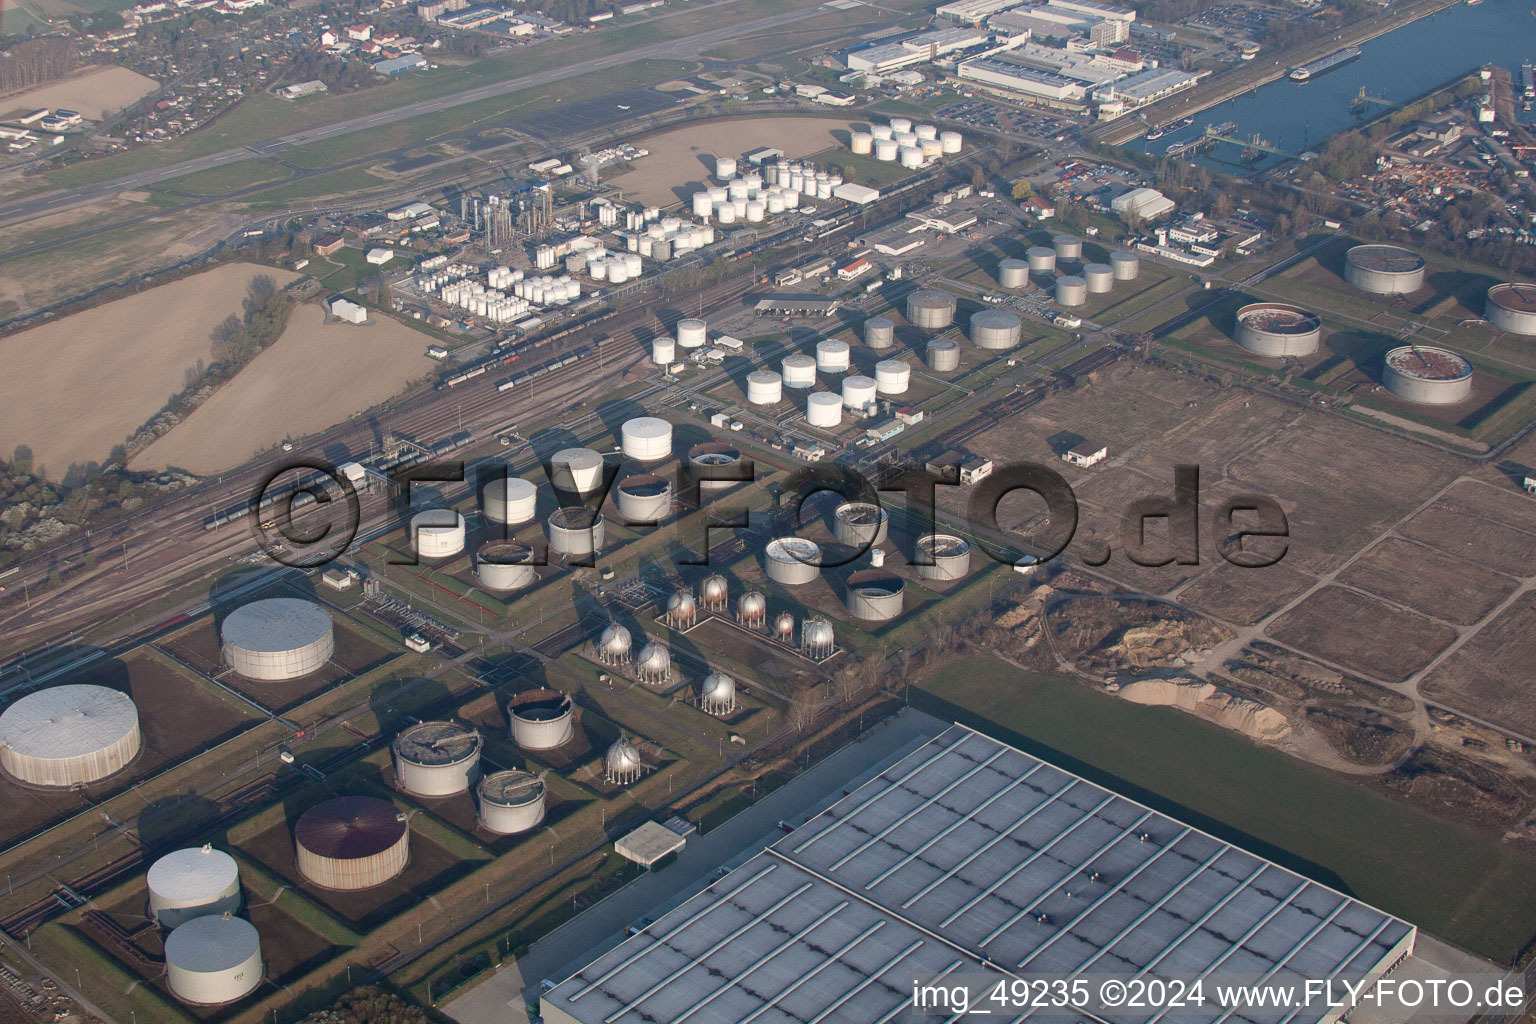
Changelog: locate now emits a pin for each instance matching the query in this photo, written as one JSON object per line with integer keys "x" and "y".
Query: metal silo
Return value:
{"x": 995, "y": 329}
{"x": 943, "y": 355}
{"x": 199, "y": 882}
{"x": 1068, "y": 247}
{"x": 510, "y": 500}
{"x": 437, "y": 759}
{"x": 950, "y": 557}
{"x": 892, "y": 377}
{"x": 1041, "y": 259}
{"x": 277, "y": 638}
{"x": 1013, "y": 273}
{"x": 860, "y": 524}
{"x": 505, "y": 565}
{"x": 351, "y": 842}
{"x": 1071, "y": 291}
{"x": 212, "y": 961}
{"x": 1126, "y": 265}
{"x": 575, "y": 532}
{"x": 1100, "y": 278}
{"x": 874, "y": 595}
{"x": 931, "y": 309}
{"x": 542, "y": 719}
{"x": 879, "y": 332}
{"x": 511, "y": 801}
{"x": 793, "y": 561}
{"x": 69, "y": 735}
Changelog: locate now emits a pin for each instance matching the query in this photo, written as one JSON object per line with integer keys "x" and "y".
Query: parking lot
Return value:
{"x": 996, "y": 116}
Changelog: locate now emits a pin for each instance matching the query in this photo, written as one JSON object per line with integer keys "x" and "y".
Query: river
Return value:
{"x": 1397, "y": 66}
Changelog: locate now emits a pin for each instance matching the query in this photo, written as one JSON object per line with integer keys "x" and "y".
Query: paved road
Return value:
{"x": 502, "y": 998}
{"x": 686, "y": 47}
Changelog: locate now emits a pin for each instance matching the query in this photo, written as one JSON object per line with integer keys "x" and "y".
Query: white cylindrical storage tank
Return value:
{"x": 70, "y": 735}
{"x": 995, "y": 329}
{"x": 505, "y": 565}
{"x": 1013, "y": 274}
{"x": 509, "y": 500}
{"x": 1428, "y": 375}
{"x": 861, "y": 143}
{"x": 647, "y": 439}
{"x": 764, "y": 387}
{"x": 1278, "y": 330}
{"x": 886, "y": 149}
{"x": 511, "y": 801}
{"x": 793, "y": 561}
{"x": 351, "y": 842}
{"x": 575, "y": 263}
{"x": 859, "y": 393}
{"x": 832, "y": 356}
{"x": 437, "y": 533}
{"x": 951, "y": 141}
{"x": 736, "y": 189}
{"x": 597, "y": 270}
{"x": 931, "y": 148}
{"x": 1100, "y": 278}
{"x": 663, "y": 351}
{"x": 943, "y": 355}
{"x": 879, "y": 332}
{"x": 1512, "y": 307}
{"x": 791, "y": 200}
{"x": 212, "y": 961}
{"x": 892, "y": 376}
{"x": 725, "y": 168}
{"x": 823, "y": 409}
{"x": 799, "y": 370}
{"x": 575, "y": 531}
{"x": 771, "y": 173}
{"x": 931, "y": 309}
{"x": 949, "y": 557}
{"x": 905, "y": 139}
{"x": 277, "y": 638}
{"x": 542, "y": 719}
{"x": 713, "y": 465}
{"x": 1126, "y": 265}
{"x": 1068, "y": 247}
{"x": 1384, "y": 269}
{"x": 701, "y": 204}
{"x": 796, "y": 180}
{"x": 775, "y": 203}
{"x": 200, "y": 882}
{"x": 437, "y": 759}
{"x": 692, "y": 333}
{"x": 860, "y": 524}
{"x": 756, "y": 210}
{"x": 881, "y": 131}
{"x": 726, "y": 213}
{"x": 661, "y": 250}
{"x": 874, "y": 595}
{"x": 925, "y": 131}
{"x": 824, "y": 189}
{"x": 634, "y": 264}
{"x": 901, "y": 124}
{"x": 1071, "y": 291}
{"x": 1042, "y": 259}
{"x": 910, "y": 157}
{"x": 577, "y": 471}
{"x": 643, "y": 499}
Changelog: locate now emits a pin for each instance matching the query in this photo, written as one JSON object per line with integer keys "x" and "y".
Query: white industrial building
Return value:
{"x": 351, "y": 312}
{"x": 1148, "y": 86}
{"x": 1009, "y": 74}
{"x": 972, "y": 858}
{"x": 379, "y": 256}
{"x": 1145, "y": 203}
{"x": 973, "y": 12}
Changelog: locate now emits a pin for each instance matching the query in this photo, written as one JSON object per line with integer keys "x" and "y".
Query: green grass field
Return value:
{"x": 221, "y": 181}
{"x": 1457, "y": 883}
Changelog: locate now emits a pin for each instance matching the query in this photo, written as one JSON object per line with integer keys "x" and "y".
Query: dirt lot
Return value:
{"x": 94, "y": 92}
{"x": 1415, "y": 576}
{"x": 1493, "y": 528}
{"x": 682, "y": 161}
{"x": 315, "y": 375}
{"x": 1490, "y": 674}
{"x": 76, "y": 387}
{"x": 1362, "y": 634}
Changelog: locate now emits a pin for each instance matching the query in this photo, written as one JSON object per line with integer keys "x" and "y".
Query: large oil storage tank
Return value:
{"x": 505, "y": 565}
{"x": 823, "y": 409}
{"x": 950, "y": 557}
{"x": 725, "y": 168}
{"x": 1429, "y": 375}
{"x": 199, "y": 882}
{"x": 1384, "y": 269}
{"x": 277, "y": 638}
{"x": 1277, "y": 329}
{"x": 1013, "y": 273}
{"x": 692, "y": 333}
{"x": 1041, "y": 259}
{"x": 542, "y": 719}
{"x": 1068, "y": 247}
{"x": 886, "y": 149}
{"x": 663, "y": 351}
{"x": 511, "y": 801}
{"x": 437, "y": 759}
{"x": 211, "y": 961}
{"x": 764, "y": 387}
{"x": 931, "y": 309}
{"x": 874, "y": 595}
{"x": 69, "y": 735}
{"x": 437, "y": 533}
{"x": 943, "y": 355}
{"x": 799, "y": 371}
{"x": 859, "y": 394}
{"x": 577, "y": 471}
{"x": 643, "y": 499}
{"x": 832, "y": 356}
{"x": 575, "y": 531}
{"x": 1071, "y": 290}
{"x": 996, "y": 329}
{"x": 714, "y": 464}
{"x": 892, "y": 377}
{"x": 1512, "y": 307}
{"x": 352, "y": 842}
{"x": 510, "y": 500}
{"x": 860, "y": 524}
{"x": 793, "y": 561}
{"x": 1126, "y": 265}
{"x": 951, "y": 141}
{"x": 646, "y": 439}
{"x": 1100, "y": 278}
{"x": 879, "y": 332}
{"x": 861, "y": 143}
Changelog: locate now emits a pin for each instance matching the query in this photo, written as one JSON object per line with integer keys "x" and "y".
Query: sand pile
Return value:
{"x": 1226, "y": 709}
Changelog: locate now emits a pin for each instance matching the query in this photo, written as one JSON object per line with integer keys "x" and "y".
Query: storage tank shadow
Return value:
{"x": 161, "y": 828}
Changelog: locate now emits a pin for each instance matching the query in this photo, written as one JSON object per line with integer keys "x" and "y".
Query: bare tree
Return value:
{"x": 804, "y": 708}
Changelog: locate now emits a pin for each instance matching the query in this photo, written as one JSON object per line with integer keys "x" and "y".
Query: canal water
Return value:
{"x": 1404, "y": 63}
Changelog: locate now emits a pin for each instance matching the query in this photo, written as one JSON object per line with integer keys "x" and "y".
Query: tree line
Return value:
{"x": 33, "y": 62}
